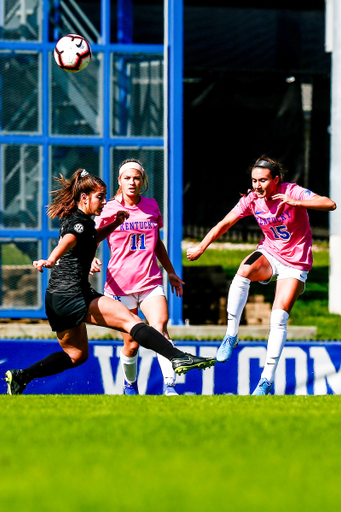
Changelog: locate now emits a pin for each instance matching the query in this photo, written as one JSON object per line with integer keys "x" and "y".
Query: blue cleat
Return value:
{"x": 169, "y": 390}
{"x": 130, "y": 389}
{"x": 263, "y": 387}
{"x": 225, "y": 350}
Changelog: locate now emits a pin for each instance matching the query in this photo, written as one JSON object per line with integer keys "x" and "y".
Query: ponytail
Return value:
{"x": 66, "y": 198}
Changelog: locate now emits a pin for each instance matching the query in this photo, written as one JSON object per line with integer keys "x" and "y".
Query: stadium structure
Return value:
{"x": 181, "y": 85}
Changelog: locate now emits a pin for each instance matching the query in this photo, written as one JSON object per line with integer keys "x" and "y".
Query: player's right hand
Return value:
{"x": 193, "y": 253}
{"x": 95, "y": 266}
{"x": 40, "y": 264}
{"x": 176, "y": 284}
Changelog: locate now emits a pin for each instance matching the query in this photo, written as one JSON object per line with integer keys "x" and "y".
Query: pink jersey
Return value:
{"x": 287, "y": 236}
{"x": 133, "y": 265}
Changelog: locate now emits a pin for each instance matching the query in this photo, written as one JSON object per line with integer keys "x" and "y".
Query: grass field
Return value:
{"x": 186, "y": 453}
{"x": 312, "y": 306}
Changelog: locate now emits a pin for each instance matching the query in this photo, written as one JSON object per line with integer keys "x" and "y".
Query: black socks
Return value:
{"x": 149, "y": 337}
{"x": 57, "y": 362}
{"x": 51, "y": 365}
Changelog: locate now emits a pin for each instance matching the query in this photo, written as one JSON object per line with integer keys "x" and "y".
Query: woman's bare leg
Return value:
{"x": 75, "y": 343}
{"x": 110, "y": 313}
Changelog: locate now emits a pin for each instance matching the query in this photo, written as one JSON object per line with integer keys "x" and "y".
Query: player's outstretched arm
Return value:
{"x": 66, "y": 243}
{"x": 193, "y": 253}
{"x": 103, "y": 232}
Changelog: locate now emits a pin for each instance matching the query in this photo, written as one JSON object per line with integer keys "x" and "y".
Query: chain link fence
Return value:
{"x": 53, "y": 122}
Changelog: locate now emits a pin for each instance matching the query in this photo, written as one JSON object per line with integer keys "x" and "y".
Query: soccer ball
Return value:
{"x": 72, "y": 53}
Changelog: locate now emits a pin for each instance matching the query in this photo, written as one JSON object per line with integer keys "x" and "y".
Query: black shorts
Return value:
{"x": 64, "y": 312}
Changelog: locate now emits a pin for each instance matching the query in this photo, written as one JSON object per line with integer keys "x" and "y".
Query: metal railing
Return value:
{"x": 69, "y": 17}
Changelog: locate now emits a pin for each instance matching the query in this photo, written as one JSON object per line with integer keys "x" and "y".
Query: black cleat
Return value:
{"x": 15, "y": 382}
{"x": 189, "y": 362}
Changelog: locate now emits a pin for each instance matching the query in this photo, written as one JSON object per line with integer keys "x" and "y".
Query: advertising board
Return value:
{"x": 305, "y": 368}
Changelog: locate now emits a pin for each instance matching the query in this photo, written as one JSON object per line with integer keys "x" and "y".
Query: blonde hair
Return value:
{"x": 145, "y": 183}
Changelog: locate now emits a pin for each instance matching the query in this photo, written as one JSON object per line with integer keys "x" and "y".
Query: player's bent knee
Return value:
{"x": 160, "y": 327}
{"x": 80, "y": 358}
{"x": 131, "y": 347}
{"x": 131, "y": 352}
{"x": 243, "y": 271}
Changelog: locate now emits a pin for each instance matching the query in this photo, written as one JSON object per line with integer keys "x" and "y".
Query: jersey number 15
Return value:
{"x": 280, "y": 232}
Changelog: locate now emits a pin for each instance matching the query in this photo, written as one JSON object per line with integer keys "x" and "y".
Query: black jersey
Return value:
{"x": 70, "y": 274}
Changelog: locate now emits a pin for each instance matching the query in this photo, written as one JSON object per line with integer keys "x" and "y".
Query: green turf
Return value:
{"x": 186, "y": 453}
{"x": 312, "y": 306}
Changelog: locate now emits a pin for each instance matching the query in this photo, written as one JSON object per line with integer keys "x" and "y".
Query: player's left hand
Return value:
{"x": 121, "y": 216}
{"x": 285, "y": 199}
{"x": 176, "y": 284}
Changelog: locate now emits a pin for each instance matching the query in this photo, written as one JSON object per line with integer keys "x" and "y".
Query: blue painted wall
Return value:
{"x": 305, "y": 368}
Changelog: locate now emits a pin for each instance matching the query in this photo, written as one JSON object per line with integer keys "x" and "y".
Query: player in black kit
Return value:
{"x": 70, "y": 301}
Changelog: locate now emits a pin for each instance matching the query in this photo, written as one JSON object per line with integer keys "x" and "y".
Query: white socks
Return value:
{"x": 237, "y": 298}
{"x": 277, "y": 338}
{"x": 129, "y": 366}
{"x": 167, "y": 370}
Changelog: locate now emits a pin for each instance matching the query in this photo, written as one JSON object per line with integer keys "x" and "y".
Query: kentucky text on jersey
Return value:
{"x": 273, "y": 220}
{"x": 133, "y": 226}
{"x": 286, "y": 234}
{"x": 133, "y": 266}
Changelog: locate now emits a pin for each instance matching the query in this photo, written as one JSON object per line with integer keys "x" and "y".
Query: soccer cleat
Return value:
{"x": 15, "y": 382}
{"x": 189, "y": 362}
{"x": 169, "y": 390}
{"x": 263, "y": 387}
{"x": 224, "y": 352}
{"x": 130, "y": 389}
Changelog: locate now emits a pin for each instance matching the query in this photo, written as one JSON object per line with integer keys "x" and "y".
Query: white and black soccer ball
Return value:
{"x": 72, "y": 53}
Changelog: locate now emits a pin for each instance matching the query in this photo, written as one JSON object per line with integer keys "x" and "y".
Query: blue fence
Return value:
{"x": 305, "y": 368}
{"x": 113, "y": 110}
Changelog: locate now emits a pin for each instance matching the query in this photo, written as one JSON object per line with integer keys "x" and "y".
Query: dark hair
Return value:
{"x": 67, "y": 198}
{"x": 145, "y": 183}
{"x": 274, "y": 166}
